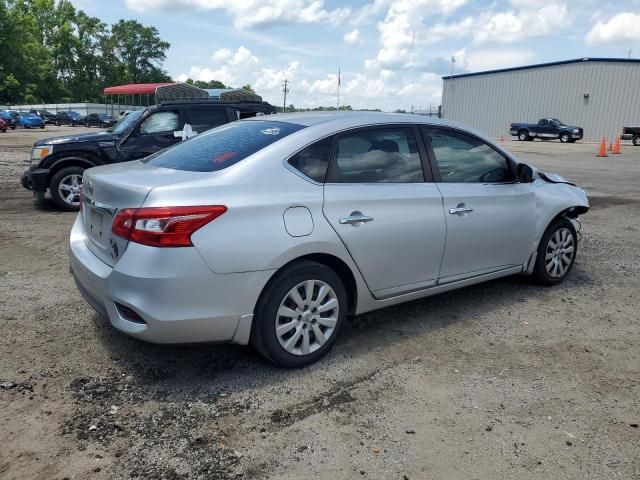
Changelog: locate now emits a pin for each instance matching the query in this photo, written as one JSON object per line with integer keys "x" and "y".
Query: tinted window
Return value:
{"x": 126, "y": 122}
{"x": 202, "y": 119}
{"x": 160, "y": 122}
{"x": 464, "y": 159}
{"x": 387, "y": 155}
{"x": 223, "y": 146}
{"x": 313, "y": 160}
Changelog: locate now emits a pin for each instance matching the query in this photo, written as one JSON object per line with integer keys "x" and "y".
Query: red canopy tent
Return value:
{"x": 161, "y": 91}
{"x": 135, "y": 88}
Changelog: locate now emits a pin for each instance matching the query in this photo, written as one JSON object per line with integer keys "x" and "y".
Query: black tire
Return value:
{"x": 636, "y": 140}
{"x": 55, "y": 184}
{"x": 523, "y": 136}
{"x": 42, "y": 126}
{"x": 4, "y": 130}
{"x": 263, "y": 330}
{"x": 13, "y": 127}
{"x": 565, "y": 137}
{"x": 540, "y": 271}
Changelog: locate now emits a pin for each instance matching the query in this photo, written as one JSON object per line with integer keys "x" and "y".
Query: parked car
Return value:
{"x": 48, "y": 117}
{"x": 11, "y": 120}
{"x": 274, "y": 229}
{"x": 546, "y": 129}
{"x": 631, "y": 133}
{"x": 3, "y": 125}
{"x": 30, "y": 120}
{"x": 101, "y": 120}
{"x": 57, "y": 163}
{"x": 69, "y": 118}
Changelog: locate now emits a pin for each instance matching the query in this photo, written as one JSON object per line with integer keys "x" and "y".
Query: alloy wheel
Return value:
{"x": 69, "y": 189}
{"x": 559, "y": 253}
{"x": 307, "y": 317}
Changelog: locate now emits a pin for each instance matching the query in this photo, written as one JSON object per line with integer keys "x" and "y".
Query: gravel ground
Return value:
{"x": 497, "y": 381}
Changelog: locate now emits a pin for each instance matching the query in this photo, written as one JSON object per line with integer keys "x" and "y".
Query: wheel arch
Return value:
{"x": 334, "y": 263}
{"x": 85, "y": 161}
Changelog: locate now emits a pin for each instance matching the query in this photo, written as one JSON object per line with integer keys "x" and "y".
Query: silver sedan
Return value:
{"x": 274, "y": 230}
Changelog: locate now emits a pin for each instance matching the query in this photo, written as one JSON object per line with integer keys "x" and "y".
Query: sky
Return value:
{"x": 392, "y": 54}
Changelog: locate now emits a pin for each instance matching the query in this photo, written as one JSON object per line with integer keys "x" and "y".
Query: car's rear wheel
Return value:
{"x": 565, "y": 138}
{"x": 300, "y": 314}
{"x": 636, "y": 140}
{"x": 556, "y": 252}
{"x": 65, "y": 188}
{"x": 523, "y": 135}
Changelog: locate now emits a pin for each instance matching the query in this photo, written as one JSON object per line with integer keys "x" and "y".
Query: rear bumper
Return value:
{"x": 172, "y": 289}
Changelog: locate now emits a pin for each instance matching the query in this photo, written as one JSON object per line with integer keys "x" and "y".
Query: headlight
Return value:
{"x": 575, "y": 130}
{"x": 38, "y": 153}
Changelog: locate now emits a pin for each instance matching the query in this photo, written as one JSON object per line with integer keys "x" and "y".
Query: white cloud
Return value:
{"x": 352, "y": 37}
{"x": 490, "y": 59}
{"x": 623, "y": 27}
{"x": 442, "y": 31}
{"x": 253, "y": 13}
{"x": 403, "y": 29}
{"x": 231, "y": 69}
{"x": 513, "y": 26}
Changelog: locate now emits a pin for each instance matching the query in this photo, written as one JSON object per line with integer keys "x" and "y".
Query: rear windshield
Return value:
{"x": 223, "y": 146}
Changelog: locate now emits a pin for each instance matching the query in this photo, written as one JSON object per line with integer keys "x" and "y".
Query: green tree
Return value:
{"x": 206, "y": 84}
{"x": 140, "y": 50}
{"x": 248, "y": 88}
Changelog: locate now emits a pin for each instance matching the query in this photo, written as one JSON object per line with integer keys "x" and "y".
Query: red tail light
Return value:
{"x": 164, "y": 226}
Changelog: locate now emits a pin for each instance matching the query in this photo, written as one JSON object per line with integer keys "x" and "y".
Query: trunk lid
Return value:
{"x": 111, "y": 188}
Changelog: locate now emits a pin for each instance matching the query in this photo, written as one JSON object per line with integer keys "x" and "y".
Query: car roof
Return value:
{"x": 355, "y": 119}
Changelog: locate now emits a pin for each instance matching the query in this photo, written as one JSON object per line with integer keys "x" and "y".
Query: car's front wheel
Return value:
{"x": 565, "y": 138}
{"x": 556, "y": 252}
{"x": 65, "y": 188}
{"x": 300, "y": 314}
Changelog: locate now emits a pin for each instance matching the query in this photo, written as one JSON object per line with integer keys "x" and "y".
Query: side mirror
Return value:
{"x": 525, "y": 173}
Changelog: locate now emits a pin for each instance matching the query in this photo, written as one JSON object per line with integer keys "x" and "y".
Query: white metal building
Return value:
{"x": 600, "y": 95}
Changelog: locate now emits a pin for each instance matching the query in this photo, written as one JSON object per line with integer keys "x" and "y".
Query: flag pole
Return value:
{"x": 338, "y": 100}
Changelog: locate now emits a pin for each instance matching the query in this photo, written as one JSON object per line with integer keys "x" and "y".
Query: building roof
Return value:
{"x": 541, "y": 65}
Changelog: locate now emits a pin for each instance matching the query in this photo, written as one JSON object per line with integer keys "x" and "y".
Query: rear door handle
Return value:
{"x": 460, "y": 210}
{"x": 356, "y": 218}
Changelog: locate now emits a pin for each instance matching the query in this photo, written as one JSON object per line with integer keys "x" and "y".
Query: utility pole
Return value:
{"x": 285, "y": 90}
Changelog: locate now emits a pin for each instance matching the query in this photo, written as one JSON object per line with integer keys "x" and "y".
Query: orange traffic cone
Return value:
{"x": 603, "y": 148}
{"x": 616, "y": 147}
{"x": 611, "y": 146}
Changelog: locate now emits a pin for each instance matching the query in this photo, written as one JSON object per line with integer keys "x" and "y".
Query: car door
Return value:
{"x": 388, "y": 217}
{"x": 490, "y": 217}
{"x": 155, "y": 133}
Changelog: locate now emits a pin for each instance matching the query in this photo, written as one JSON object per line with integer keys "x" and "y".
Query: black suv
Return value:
{"x": 45, "y": 115}
{"x": 101, "y": 120}
{"x": 69, "y": 118}
{"x": 57, "y": 164}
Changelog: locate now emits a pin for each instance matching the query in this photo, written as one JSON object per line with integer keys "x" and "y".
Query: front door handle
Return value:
{"x": 356, "y": 218}
{"x": 460, "y": 210}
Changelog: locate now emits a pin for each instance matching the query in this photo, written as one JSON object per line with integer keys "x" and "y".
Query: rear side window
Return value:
{"x": 313, "y": 160}
{"x": 202, "y": 119}
{"x": 223, "y": 146}
{"x": 384, "y": 155}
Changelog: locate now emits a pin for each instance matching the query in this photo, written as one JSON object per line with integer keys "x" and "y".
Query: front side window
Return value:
{"x": 160, "y": 122}
{"x": 222, "y": 147}
{"x": 313, "y": 160}
{"x": 465, "y": 159}
{"x": 386, "y": 155}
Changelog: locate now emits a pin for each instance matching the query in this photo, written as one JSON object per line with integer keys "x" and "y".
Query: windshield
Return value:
{"x": 558, "y": 122}
{"x": 126, "y": 122}
{"x": 224, "y": 146}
